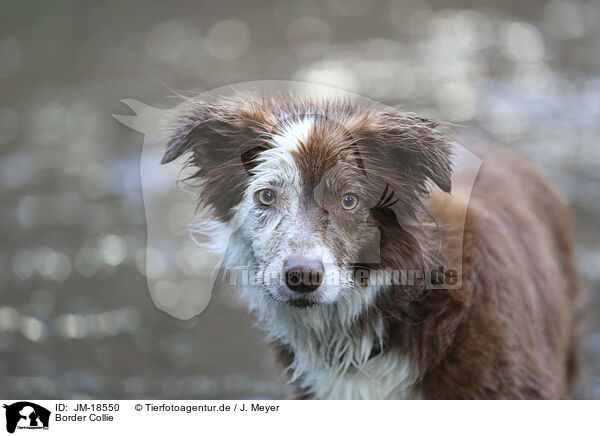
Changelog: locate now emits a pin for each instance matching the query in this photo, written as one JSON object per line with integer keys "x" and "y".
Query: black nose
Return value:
{"x": 302, "y": 274}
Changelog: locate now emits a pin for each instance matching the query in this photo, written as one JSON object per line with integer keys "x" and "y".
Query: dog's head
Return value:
{"x": 313, "y": 184}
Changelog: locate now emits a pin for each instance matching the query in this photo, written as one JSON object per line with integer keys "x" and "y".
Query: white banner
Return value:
{"x": 284, "y": 418}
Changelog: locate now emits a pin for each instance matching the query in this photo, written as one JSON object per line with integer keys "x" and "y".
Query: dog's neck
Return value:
{"x": 336, "y": 350}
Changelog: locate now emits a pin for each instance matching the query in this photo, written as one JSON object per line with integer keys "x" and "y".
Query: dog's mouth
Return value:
{"x": 286, "y": 296}
{"x": 301, "y": 303}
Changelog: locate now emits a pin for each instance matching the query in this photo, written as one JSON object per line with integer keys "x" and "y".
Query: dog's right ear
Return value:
{"x": 223, "y": 141}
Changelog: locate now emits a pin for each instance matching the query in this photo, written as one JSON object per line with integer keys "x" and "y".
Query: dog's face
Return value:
{"x": 311, "y": 185}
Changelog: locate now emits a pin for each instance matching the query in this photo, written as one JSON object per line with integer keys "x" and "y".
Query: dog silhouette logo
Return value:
{"x": 26, "y": 415}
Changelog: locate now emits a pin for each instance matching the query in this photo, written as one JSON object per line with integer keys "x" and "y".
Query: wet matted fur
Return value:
{"x": 509, "y": 331}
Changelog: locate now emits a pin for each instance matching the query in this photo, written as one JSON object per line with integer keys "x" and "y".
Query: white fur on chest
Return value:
{"x": 385, "y": 377}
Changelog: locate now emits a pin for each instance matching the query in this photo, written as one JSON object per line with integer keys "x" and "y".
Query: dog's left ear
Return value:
{"x": 416, "y": 148}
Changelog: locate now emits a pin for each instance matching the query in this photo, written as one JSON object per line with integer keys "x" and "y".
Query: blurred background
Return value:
{"x": 76, "y": 319}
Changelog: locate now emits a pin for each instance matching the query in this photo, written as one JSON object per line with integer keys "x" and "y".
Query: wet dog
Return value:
{"x": 326, "y": 194}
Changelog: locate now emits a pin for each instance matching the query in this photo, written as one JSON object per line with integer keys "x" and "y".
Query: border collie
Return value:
{"x": 326, "y": 193}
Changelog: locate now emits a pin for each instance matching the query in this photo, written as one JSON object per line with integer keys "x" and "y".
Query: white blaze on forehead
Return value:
{"x": 277, "y": 163}
{"x": 293, "y": 133}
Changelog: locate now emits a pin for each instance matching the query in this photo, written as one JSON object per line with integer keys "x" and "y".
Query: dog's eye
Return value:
{"x": 266, "y": 197}
{"x": 349, "y": 201}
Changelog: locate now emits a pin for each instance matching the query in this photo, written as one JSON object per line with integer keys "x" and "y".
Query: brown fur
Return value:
{"x": 511, "y": 330}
